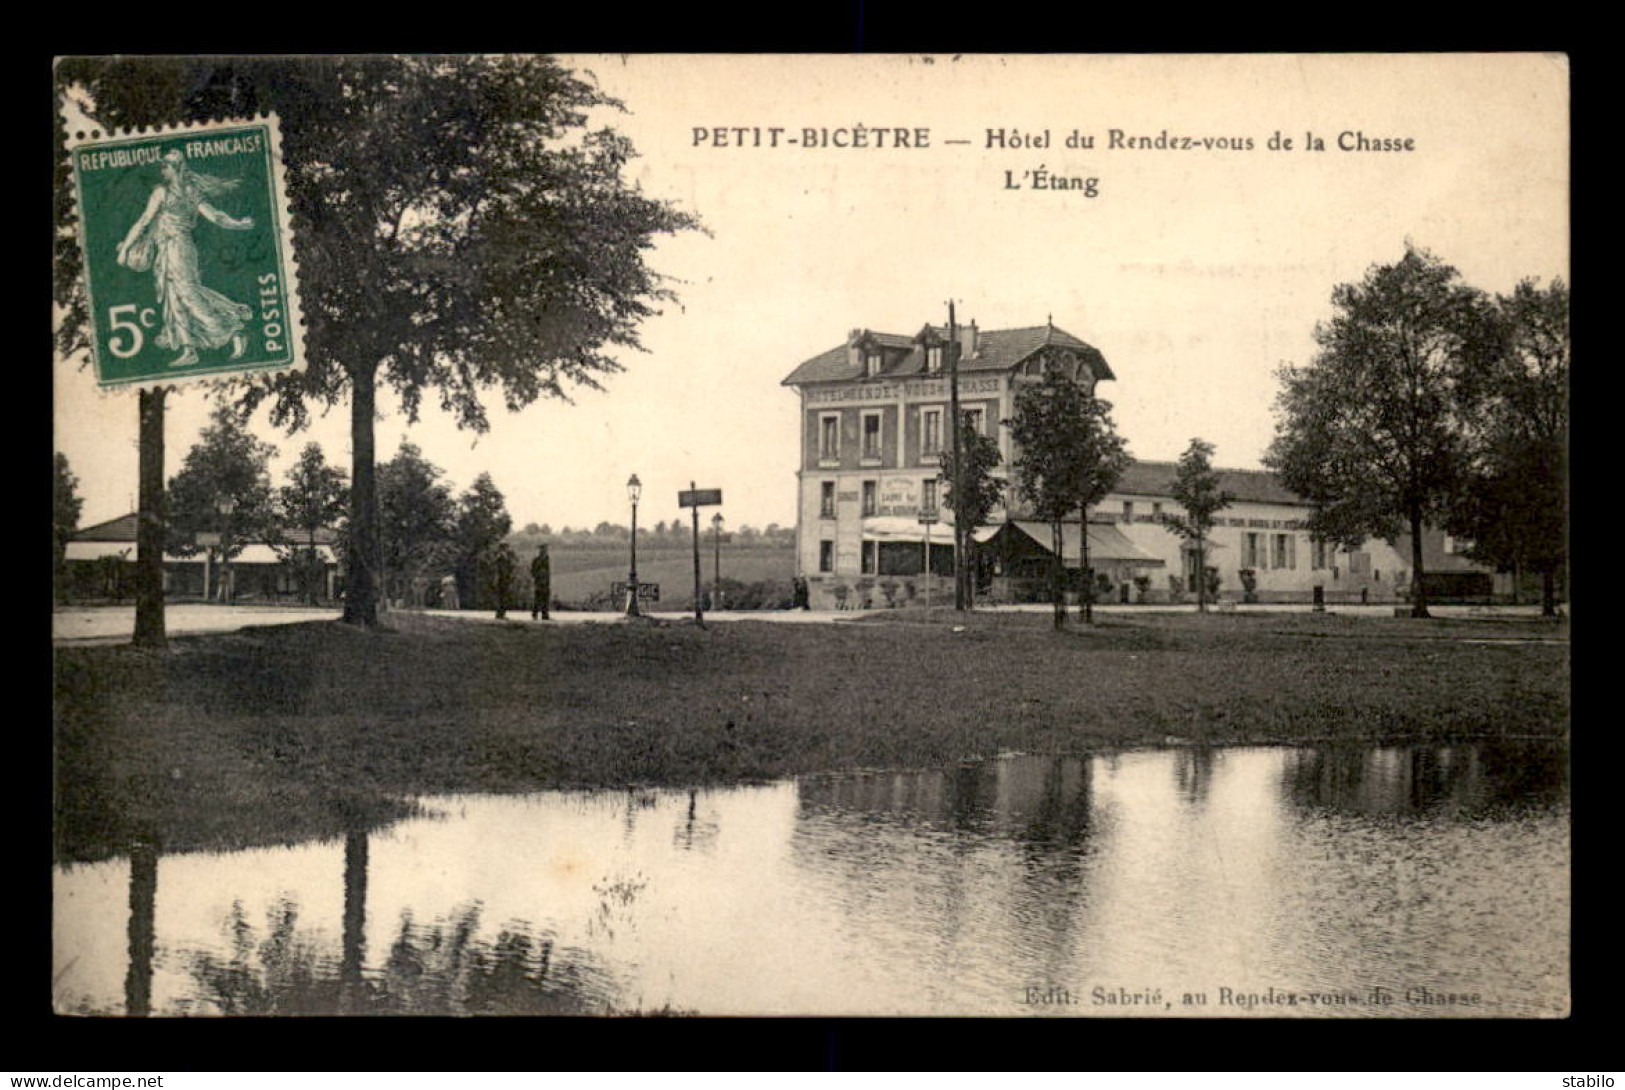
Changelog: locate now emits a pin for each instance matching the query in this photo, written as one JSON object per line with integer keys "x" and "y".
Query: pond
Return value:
{"x": 1337, "y": 881}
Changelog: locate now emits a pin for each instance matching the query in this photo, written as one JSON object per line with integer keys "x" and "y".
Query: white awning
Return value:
{"x": 95, "y": 550}
{"x": 902, "y": 528}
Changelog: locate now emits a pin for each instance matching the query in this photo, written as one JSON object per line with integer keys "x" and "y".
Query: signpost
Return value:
{"x": 647, "y": 592}
{"x": 697, "y": 498}
{"x": 189, "y": 274}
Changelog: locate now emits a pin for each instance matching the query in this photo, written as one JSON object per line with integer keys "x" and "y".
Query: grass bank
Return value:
{"x": 277, "y": 734}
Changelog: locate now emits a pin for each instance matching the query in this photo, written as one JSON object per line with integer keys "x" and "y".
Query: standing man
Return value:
{"x": 504, "y": 562}
{"x": 541, "y": 582}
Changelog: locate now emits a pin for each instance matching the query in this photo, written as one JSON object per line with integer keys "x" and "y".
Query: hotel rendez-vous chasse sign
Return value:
{"x": 188, "y": 252}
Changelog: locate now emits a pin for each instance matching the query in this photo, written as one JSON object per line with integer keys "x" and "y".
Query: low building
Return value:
{"x": 100, "y": 564}
{"x": 871, "y": 528}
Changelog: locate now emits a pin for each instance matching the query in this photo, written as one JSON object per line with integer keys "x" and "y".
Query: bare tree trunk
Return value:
{"x": 1419, "y": 594}
{"x": 1548, "y": 593}
{"x": 1088, "y": 576}
{"x": 1058, "y": 576}
{"x": 149, "y": 533}
{"x": 361, "y": 589}
{"x": 1201, "y": 575}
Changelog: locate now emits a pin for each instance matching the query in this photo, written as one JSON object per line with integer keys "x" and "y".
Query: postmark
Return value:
{"x": 188, "y": 252}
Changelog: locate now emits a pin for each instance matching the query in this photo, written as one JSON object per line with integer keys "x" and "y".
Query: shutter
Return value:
{"x": 1292, "y": 551}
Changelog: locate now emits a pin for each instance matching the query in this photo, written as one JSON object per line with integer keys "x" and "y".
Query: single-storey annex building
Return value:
{"x": 100, "y": 564}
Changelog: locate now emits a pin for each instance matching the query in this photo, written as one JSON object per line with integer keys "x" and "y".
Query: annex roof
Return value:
{"x": 122, "y": 530}
{"x": 1250, "y": 485}
{"x": 996, "y": 350}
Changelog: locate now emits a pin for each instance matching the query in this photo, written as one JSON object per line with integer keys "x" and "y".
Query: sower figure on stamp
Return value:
{"x": 541, "y": 582}
{"x": 503, "y": 563}
{"x": 194, "y": 316}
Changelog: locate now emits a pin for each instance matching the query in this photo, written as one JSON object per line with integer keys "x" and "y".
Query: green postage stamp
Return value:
{"x": 188, "y": 252}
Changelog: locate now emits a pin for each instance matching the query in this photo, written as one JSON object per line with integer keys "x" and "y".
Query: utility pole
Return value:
{"x": 959, "y": 459}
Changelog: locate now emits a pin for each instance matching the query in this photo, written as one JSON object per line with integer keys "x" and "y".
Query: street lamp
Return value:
{"x": 634, "y": 489}
{"x": 226, "y": 505}
{"x": 716, "y": 569}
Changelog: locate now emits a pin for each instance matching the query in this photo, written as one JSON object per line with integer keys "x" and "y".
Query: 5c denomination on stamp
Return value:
{"x": 188, "y": 252}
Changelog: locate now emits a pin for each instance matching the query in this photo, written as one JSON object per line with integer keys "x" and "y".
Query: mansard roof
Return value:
{"x": 996, "y": 350}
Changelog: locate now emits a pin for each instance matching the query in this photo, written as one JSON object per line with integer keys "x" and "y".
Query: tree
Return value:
{"x": 1369, "y": 432}
{"x": 983, "y": 491}
{"x": 1069, "y": 456}
{"x": 415, "y": 520}
{"x": 459, "y": 229}
{"x": 1513, "y": 507}
{"x": 482, "y": 523}
{"x": 222, "y": 492}
{"x": 1196, "y": 489}
{"x": 66, "y": 504}
{"x": 315, "y": 498}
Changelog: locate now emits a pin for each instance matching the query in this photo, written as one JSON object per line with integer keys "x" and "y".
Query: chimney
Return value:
{"x": 854, "y": 356}
{"x": 967, "y": 340}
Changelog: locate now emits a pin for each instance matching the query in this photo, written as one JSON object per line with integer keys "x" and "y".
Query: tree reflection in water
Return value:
{"x": 441, "y": 968}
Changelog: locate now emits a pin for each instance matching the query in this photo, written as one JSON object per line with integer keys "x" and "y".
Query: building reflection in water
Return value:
{"x": 947, "y": 891}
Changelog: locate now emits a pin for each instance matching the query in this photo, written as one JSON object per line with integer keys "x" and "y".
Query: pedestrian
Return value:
{"x": 448, "y": 591}
{"x": 504, "y": 565}
{"x": 541, "y": 584}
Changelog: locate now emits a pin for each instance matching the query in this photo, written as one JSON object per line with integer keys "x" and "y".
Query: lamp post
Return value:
{"x": 716, "y": 561}
{"x": 634, "y": 489}
{"x": 227, "y": 588}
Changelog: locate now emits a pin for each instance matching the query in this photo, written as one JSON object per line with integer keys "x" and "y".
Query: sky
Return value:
{"x": 1196, "y": 271}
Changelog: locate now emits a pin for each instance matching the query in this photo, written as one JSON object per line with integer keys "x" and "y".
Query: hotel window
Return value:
{"x": 1156, "y": 512}
{"x": 930, "y": 431}
{"x": 829, "y": 437}
{"x": 871, "y": 550}
{"x": 933, "y": 357}
{"x": 869, "y": 490}
{"x": 871, "y": 436}
{"x": 928, "y": 496}
{"x": 1282, "y": 553}
{"x": 1319, "y": 555}
{"x": 826, "y": 500}
{"x": 976, "y": 418}
{"x": 1128, "y": 512}
{"x": 826, "y": 556}
{"x": 1250, "y": 550}
{"x": 871, "y": 363}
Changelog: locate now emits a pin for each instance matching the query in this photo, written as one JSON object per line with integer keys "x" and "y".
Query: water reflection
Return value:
{"x": 1176, "y": 882}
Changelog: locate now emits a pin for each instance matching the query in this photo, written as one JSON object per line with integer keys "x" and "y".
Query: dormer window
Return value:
{"x": 933, "y": 357}
{"x": 871, "y": 363}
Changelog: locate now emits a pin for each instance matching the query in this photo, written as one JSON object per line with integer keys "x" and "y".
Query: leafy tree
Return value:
{"x": 983, "y": 491}
{"x": 1069, "y": 456}
{"x": 482, "y": 524}
{"x": 66, "y": 504}
{"x": 1369, "y": 432}
{"x": 1196, "y": 489}
{"x": 459, "y": 229}
{"x": 223, "y": 489}
{"x": 1514, "y": 504}
{"x": 416, "y": 519}
{"x": 315, "y": 498}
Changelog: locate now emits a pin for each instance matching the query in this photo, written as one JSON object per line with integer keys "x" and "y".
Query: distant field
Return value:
{"x": 579, "y": 572}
